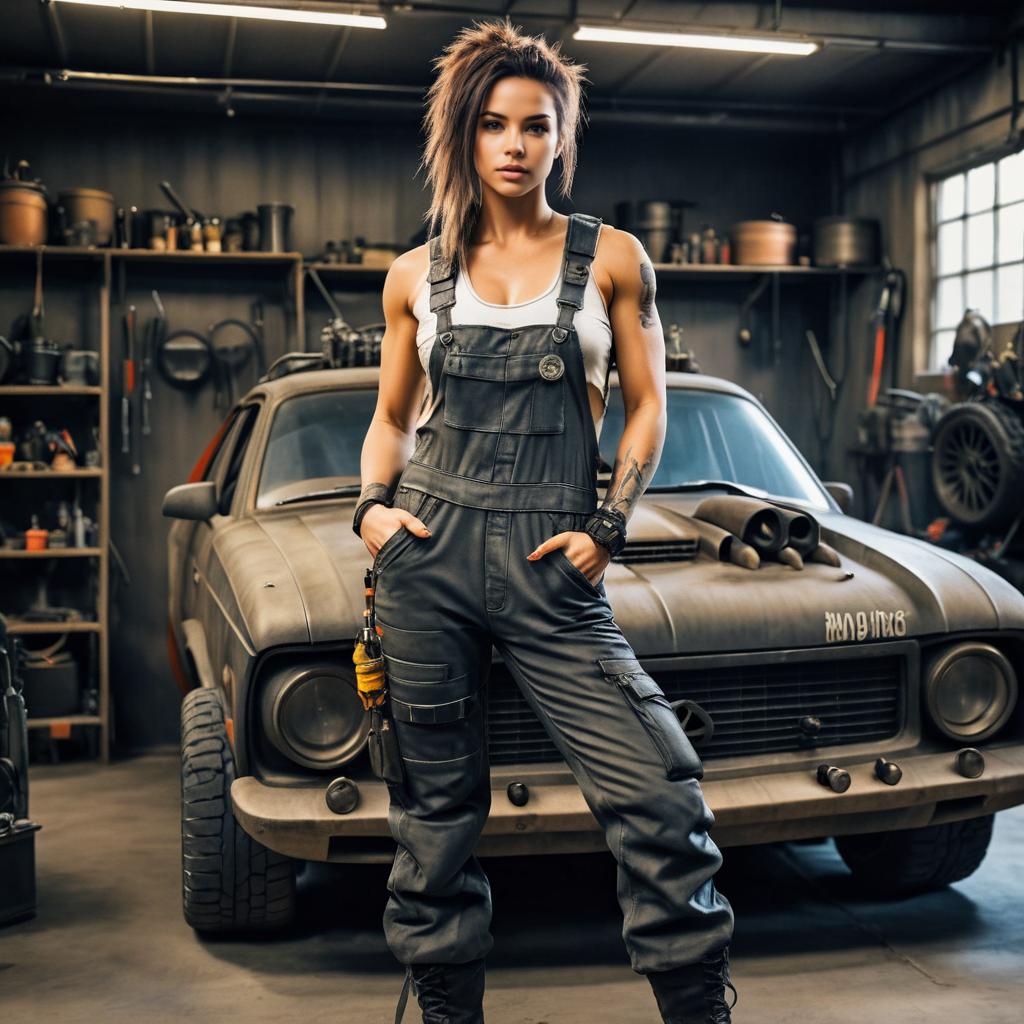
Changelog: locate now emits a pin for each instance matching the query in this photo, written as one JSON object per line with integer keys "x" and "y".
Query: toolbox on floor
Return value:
{"x": 18, "y": 871}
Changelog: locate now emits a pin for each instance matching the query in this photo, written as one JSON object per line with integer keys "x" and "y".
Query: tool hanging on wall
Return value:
{"x": 127, "y": 377}
{"x": 885, "y": 326}
{"x": 233, "y": 342}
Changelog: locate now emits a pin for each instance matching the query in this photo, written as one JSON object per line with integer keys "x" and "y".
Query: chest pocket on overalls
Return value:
{"x": 522, "y": 393}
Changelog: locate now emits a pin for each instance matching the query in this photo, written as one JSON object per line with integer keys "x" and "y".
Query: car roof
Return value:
{"x": 304, "y": 381}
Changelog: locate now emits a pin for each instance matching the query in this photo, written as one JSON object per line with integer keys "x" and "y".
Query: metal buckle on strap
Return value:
{"x": 576, "y": 272}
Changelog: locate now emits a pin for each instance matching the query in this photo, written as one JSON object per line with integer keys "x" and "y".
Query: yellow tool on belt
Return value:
{"x": 371, "y": 684}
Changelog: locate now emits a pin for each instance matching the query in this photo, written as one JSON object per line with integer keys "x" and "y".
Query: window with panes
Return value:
{"x": 977, "y": 249}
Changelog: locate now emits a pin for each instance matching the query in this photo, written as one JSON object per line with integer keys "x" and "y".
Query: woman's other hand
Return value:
{"x": 581, "y": 549}
{"x": 380, "y": 523}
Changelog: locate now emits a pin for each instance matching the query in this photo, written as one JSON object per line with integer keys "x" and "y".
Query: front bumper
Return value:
{"x": 748, "y": 809}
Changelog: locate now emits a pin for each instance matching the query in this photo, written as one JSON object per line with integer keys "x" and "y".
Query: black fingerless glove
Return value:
{"x": 607, "y": 527}
{"x": 371, "y": 494}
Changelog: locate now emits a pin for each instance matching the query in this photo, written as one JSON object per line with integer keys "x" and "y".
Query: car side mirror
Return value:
{"x": 191, "y": 501}
{"x": 841, "y": 493}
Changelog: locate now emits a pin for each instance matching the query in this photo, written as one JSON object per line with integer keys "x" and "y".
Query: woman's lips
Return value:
{"x": 511, "y": 175}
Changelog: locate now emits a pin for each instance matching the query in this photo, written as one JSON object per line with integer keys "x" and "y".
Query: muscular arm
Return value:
{"x": 391, "y": 435}
{"x": 640, "y": 355}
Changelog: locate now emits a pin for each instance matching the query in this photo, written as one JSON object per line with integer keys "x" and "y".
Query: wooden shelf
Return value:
{"x": 45, "y": 723}
{"x": 53, "y": 553}
{"x": 199, "y": 258}
{"x": 50, "y": 389}
{"x": 19, "y": 627}
{"x": 677, "y": 271}
{"x": 70, "y": 252}
{"x": 49, "y": 474}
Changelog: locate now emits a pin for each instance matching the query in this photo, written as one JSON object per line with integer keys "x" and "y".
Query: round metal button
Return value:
{"x": 446, "y": 337}
{"x": 559, "y": 334}
{"x": 551, "y": 367}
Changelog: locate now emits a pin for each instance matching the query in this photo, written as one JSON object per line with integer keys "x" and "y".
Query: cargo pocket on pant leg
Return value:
{"x": 655, "y": 713}
{"x": 439, "y": 722}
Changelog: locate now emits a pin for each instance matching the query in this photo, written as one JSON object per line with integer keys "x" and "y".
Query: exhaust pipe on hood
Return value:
{"x": 722, "y": 545}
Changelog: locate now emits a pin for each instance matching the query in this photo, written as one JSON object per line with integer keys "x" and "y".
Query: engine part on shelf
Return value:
{"x": 763, "y": 243}
{"x": 841, "y": 241}
{"x": 79, "y": 366}
{"x": 275, "y": 226}
{"x": 677, "y": 357}
{"x": 24, "y": 211}
{"x": 191, "y": 219}
{"x": 94, "y": 206}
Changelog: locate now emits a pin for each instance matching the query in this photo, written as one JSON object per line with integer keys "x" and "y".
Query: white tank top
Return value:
{"x": 592, "y": 324}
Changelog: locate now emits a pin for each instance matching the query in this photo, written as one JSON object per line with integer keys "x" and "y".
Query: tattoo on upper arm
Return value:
{"x": 647, "y": 295}
{"x": 627, "y": 483}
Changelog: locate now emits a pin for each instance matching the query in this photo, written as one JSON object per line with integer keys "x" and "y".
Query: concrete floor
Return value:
{"x": 109, "y": 943}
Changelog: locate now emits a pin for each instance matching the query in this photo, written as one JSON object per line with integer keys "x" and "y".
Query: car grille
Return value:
{"x": 757, "y": 709}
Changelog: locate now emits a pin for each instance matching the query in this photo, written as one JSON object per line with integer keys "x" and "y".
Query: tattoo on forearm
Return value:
{"x": 647, "y": 295}
{"x": 629, "y": 478}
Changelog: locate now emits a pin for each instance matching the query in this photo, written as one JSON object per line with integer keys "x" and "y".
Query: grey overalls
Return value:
{"x": 507, "y": 458}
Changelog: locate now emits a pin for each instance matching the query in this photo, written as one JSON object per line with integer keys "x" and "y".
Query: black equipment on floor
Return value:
{"x": 17, "y": 833}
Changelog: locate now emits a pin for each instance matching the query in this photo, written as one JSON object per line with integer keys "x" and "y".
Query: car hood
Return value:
{"x": 297, "y": 577}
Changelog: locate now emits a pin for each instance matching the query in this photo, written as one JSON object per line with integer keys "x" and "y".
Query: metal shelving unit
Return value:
{"x": 48, "y": 395}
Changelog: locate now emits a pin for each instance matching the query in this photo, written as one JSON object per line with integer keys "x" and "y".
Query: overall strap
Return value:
{"x": 442, "y": 286}
{"x": 580, "y": 247}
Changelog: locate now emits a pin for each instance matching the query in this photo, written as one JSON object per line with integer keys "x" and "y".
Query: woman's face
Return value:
{"x": 517, "y": 127}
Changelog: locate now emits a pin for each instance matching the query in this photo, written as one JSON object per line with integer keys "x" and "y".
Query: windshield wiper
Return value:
{"x": 343, "y": 491}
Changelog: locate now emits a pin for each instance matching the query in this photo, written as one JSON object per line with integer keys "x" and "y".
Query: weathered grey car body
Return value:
{"x": 287, "y": 582}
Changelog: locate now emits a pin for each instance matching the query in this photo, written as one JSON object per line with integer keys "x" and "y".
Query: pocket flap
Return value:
{"x": 416, "y": 671}
{"x": 628, "y": 673}
{"x": 471, "y": 364}
{"x": 616, "y": 666}
{"x": 521, "y": 366}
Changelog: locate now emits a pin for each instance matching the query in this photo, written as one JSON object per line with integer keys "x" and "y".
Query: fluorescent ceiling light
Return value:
{"x": 239, "y": 10}
{"x": 744, "y": 44}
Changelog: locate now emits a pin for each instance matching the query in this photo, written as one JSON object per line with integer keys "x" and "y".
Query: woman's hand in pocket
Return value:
{"x": 581, "y": 549}
{"x": 381, "y": 523}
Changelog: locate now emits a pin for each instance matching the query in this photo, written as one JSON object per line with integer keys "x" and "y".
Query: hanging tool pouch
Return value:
{"x": 385, "y": 757}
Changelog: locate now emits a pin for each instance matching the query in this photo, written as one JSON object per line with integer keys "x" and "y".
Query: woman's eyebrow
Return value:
{"x": 532, "y": 117}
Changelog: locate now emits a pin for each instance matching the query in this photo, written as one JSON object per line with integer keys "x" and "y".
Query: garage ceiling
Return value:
{"x": 877, "y": 56}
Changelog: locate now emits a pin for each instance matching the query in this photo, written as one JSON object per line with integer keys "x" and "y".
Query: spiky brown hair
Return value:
{"x": 466, "y": 70}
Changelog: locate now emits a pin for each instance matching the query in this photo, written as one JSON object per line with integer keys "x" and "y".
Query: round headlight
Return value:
{"x": 970, "y": 690}
{"x": 314, "y": 716}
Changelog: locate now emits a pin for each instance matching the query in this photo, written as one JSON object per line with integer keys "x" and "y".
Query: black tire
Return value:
{"x": 978, "y": 464}
{"x": 916, "y": 860}
{"x": 230, "y": 882}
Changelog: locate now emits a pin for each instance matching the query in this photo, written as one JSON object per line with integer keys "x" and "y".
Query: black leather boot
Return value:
{"x": 695, "y": 993}
{"x": 447, "y": 993}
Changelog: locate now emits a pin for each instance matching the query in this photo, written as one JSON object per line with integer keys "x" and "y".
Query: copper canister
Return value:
{"x": 23, "y": 219}
{"x": 91, "y": 204}
{"x": 763, "y": 243}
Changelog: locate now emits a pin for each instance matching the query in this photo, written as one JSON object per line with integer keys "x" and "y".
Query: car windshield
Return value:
{"x": 716, "y": 436}
{"x": 316, "y": 439}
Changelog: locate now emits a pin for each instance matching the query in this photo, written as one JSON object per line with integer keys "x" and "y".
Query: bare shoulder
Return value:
{"x": 623, "y": 262}
{"x": 404, "y": 278}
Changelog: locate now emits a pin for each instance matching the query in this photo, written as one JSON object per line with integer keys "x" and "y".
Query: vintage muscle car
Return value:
{"x": 874, "y": 701}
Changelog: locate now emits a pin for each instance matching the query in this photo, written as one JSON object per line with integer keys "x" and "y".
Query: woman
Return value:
{"x": 481, "y": 517}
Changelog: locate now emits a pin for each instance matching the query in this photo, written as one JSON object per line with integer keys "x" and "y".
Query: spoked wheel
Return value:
{"x": 978, "y": 464}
